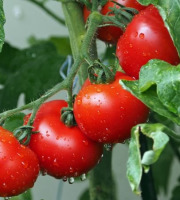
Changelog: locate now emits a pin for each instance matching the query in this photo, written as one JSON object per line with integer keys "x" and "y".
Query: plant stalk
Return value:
{"x": 102, "y": 185}
{"x": 147, "y": 182}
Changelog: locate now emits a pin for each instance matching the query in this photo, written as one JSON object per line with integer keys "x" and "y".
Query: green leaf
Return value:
{"x": 2, "y": 21}
{"x": 135, "y": 163}
{"x": 24, "y": 196}
{"x": 167, "y": 80}
{"x": 38, "y": 71}
{"x": 14, "y": 121}
{"x": 147, "y": 2}
{"x": 163, "y": 166}
{"x": 176, "y": 192}
{"x": 8, "y": 53}
{"x": 85, "y": 195}
{"x": 150, "y": 98}
{"x": 169, "y": 10}
{"x": 61, "y": 43}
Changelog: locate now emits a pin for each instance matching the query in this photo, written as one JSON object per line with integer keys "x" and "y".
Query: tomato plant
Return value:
{"x": 145, "y": 38}
{"x": 62, "y": 151}
{"x": 106, "y": 112}
{"x": 111, "y": 34}
{"x": 110, "y": 106}
{"x": 19, "y": 165}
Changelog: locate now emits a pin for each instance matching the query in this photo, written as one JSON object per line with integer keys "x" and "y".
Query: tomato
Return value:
{"x": 62, "y": 151}
{"x": 111, "y": 34}
{"x": 19, "y": 165}
{"x": 145, "y": 38}
{"x": 107, "y": 112}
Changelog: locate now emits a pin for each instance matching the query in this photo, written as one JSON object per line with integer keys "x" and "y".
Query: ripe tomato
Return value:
{"x": 62, "y": 151}
{"x": 19, "y": 165}
{"x": 111, "y": 34}
{"x": 145, "y": 38}
{"x": 107, "y": 112}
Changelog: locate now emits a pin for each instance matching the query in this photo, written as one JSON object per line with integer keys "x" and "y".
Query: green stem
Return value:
{"x": 102, "y": 185}
{"x": 49, "y": 12}
{"x": 75, "y": 23}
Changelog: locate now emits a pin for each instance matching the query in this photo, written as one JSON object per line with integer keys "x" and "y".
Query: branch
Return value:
{"x": 48, "y": 11}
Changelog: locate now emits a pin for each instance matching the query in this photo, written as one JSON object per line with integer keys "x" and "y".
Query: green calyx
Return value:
{"x": 23, "y": 134}
{"x": 119, "y": 16}
{"x": 67, "y": 117}
{"x": 101, "y": 74}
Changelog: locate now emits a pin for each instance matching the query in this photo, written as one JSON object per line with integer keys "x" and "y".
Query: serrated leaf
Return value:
{"x": 38, "y": 71}
{"x": 2, "y": 21}
{"x": 135, "y": 163}
{"x": 14, "y": 121}
{"x": 167, "y": 80}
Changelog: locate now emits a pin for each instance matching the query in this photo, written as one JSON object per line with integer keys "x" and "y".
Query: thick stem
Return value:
{"x": 147, "y": 182}
{"x": 75, "y": 23}
{"x": 102, "y": 185}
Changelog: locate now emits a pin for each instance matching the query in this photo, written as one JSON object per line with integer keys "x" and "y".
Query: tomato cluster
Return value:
{"x": 104, "y": 113}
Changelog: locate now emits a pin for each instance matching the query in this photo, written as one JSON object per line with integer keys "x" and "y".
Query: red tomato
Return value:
{"x": 111, "y": 34}
{"x": 19, "y": 165}
{"x": 107, "y": 112}
{"x": 62, "y": 151}
{"x": 145, "y": 38}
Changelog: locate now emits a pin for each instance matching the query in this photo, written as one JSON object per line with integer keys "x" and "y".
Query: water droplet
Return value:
{"x": 55, "y": 163}
{"x": 83, "y": 177}
{"x": 71, "y": 180}
{"x": 7, "y": 198}
{"x": 33, "y": 55}
{"x": 126, "y": 52}
{"x": 136, "y": 34}
{"x": 130, "y": 45}
{"x": 79, "y": 116}
{"x": 4, "y": 185}
{"x": 64, "y": 178}
{"x": 144, "y": 54}
{"x": 108, "y": 147}
{"x": 98, "y": 90}
{"x": 141, "y": 35}
{"x": 25, "y": 164}
{"x": 44, "y": 172}
{"x": 85, "y": 142}
{"x": 79, "y": 102}
{"x": 71, "y": 170}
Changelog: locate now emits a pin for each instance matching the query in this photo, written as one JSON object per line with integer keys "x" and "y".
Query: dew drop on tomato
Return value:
{"x": 71, "y": 180}
{"x": 83, "y": 177}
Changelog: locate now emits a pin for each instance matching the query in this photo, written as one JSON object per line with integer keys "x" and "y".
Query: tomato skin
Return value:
{"x": 145, "y": 38}
{"x": 111, "y": 34}
{"x": 62, "y": 151}
{"x": 19, "y": 166}
{"x": 106, "y": 112}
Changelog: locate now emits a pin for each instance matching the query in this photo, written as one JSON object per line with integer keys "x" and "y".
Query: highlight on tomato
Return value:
{"x": 145, "y": 38}
{"x": 111, "y": 34}
{"x": 107, "y": 112}
{"x": 63, "y": 152}
{"x": 19, "y": 165}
